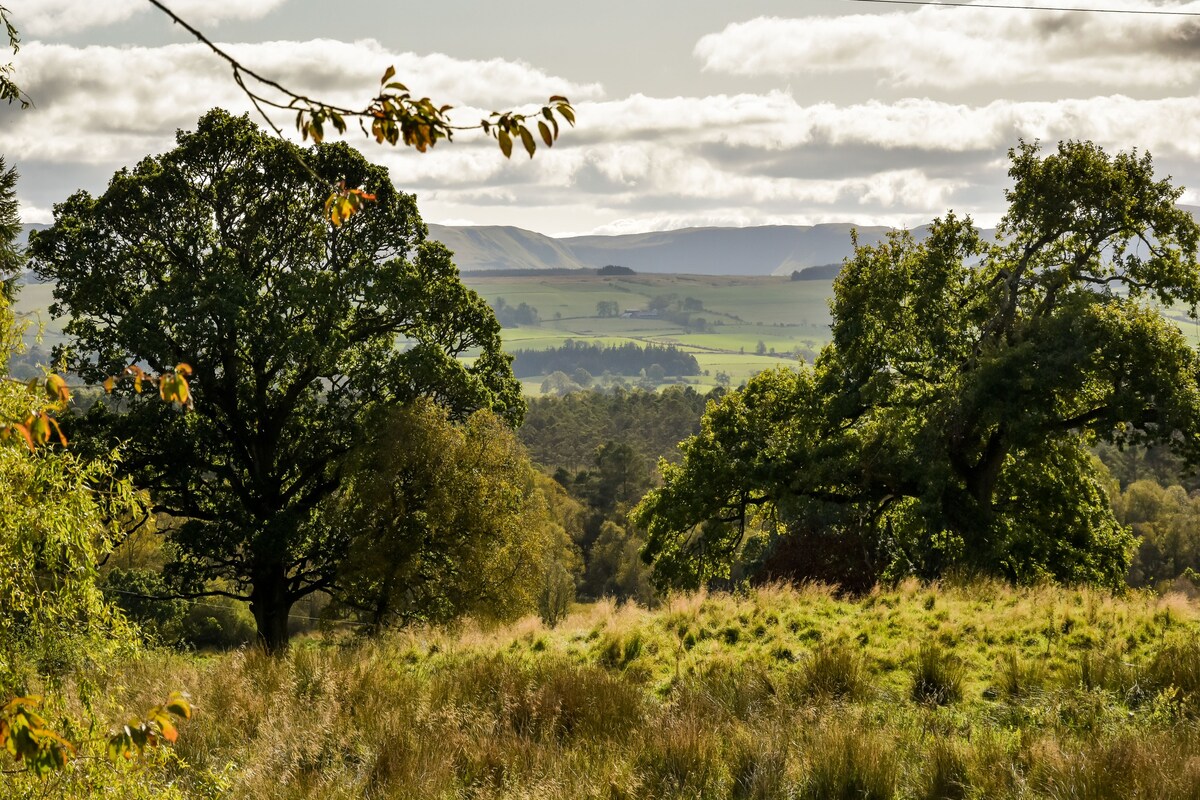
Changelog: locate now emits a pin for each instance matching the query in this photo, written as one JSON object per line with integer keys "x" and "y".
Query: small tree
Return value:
{"x": 447, "y": 520}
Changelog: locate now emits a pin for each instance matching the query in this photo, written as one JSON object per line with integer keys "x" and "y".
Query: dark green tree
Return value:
{"x": 219, "y": 254}
{"x": 11, "y": 257}
{"x": 947, "y": 424}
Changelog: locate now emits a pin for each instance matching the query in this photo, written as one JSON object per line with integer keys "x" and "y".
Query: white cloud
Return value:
{"x": 42, "y": 17}
{"x": 725, "y": 159}
{"x": 102, "y": 105}
{"x": 957, "y": 47}
{"x": 33, "y": 215}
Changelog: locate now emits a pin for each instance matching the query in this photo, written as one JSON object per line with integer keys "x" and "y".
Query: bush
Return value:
{"x": 219, "y": 623}
{"x": 849, "y": 764}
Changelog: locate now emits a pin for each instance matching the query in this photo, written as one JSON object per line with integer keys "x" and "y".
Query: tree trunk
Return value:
{"x": 271, "y": 603}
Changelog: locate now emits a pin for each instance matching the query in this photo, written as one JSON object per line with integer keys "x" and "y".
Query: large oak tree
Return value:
{"x": 219, "y": 254}
{"x": 946, "y": 426}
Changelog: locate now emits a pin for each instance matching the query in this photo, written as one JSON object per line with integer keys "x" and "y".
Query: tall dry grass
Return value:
{"x": 779, "y": 693}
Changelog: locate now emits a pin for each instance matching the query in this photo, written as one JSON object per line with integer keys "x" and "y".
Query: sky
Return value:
{"x": 690, "y": 112}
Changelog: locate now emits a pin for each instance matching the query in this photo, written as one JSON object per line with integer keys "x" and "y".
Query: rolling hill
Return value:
{"x": 765, "y": 250}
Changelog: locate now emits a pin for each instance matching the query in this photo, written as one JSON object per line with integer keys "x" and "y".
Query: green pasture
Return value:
{"x": 790, "y": 318}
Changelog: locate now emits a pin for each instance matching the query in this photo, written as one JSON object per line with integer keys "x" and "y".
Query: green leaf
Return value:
{"x": 544, "y": 129}
{"x": 505, "y": 143}
{"x": 120, "y": 745}
{"x": 388, "y": 74}
{"x": 527, "y": 140}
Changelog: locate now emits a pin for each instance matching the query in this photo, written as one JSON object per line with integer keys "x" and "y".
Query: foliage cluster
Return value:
{"x": 1166, "y": 522}
{"x": 61, "y": 516}
{"x": 566, "y": 432}
{"x": 602, "y": 448}
{"x": 450, "y": 521}
{"x": 514, "y": 316}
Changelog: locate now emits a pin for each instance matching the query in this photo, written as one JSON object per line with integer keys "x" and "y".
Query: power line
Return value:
{"x": 1008, "y": 7}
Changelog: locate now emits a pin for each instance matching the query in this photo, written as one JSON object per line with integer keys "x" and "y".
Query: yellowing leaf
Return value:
{"x": 56, "y": 389}
{"x": 527, "y": 140}
{"x": 39, "y": 428}
{"x": 178, "y": 705}
{"x": 174, "y": 389}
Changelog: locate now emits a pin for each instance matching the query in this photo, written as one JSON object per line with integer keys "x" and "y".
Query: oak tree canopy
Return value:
{"x": 947, "y": 424}
{"x": 217, "y": 254}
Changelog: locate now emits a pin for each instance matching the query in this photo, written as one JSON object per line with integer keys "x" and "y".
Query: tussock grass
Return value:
{"x": 937, "y": 676}
{"x": 972, "y": 690}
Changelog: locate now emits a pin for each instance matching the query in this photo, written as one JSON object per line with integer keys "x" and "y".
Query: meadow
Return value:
{"x": 915, "y": 691}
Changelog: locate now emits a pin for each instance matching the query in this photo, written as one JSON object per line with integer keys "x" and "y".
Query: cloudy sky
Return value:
{"x": 691, "y": 112}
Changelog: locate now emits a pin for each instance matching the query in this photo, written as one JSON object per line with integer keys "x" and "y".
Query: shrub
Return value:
{"x": 945, "y": 776}
{"x": 1019, "y": 677}
{"x": 846, "y": 764}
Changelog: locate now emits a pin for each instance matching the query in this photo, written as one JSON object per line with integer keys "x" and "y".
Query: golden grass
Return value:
{"x": 779, "y": 692}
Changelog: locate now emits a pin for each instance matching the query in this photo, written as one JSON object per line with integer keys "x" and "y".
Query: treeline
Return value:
{"x": 603, "y": 449}
{"x": 1158, "y": 497}
{"x": 514, "y": 316}
{"x": 596, "y": 359}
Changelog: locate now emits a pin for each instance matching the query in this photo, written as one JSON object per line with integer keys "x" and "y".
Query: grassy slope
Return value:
{"x": 781, "y": 693}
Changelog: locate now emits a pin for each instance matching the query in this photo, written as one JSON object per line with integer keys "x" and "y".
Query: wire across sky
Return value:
{"x": 1010, "y": 7}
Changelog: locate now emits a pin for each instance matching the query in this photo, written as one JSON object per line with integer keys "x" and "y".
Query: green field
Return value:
{"x": 788, "y": 317}
{"x": 784, "y": 315}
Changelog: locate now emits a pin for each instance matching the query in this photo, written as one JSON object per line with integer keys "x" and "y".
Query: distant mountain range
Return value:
{"x": 766, "y": 250}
